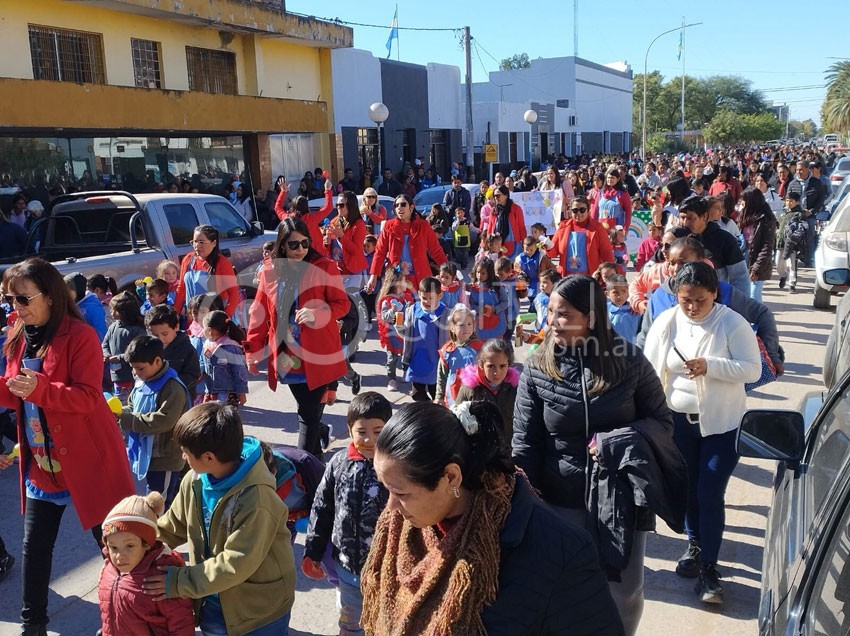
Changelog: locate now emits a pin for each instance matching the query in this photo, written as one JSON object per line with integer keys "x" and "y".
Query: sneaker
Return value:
{"x": 792, "y": 288}
{"x": 782, "y": 283}
{"x": 392, "y": 385}
{"x": 688, "y": 565}
{"x": 708, "y": 587}
{"x": 6, "y": 563}
{"x": 355, "y": 384}
{"x": 326, "y": 436}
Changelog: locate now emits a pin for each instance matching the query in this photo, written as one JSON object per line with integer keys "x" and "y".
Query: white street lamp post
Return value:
{"x": 379, "y": 113}
{"x": 530, "y": 117}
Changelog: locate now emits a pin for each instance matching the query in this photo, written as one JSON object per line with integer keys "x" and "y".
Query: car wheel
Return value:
{"x": 822, "y": 297}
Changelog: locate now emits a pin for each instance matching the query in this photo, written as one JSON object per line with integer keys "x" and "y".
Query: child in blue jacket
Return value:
{"x": 224, "y": 363}
{"x": 425, "y": 331}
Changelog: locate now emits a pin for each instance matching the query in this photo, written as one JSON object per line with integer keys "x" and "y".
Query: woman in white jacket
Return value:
{"x": 704, "y": 353}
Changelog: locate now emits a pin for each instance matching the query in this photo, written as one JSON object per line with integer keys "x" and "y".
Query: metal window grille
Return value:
{"x": 146, "y": 67}
{"x": 62, "y": 55}
{"x": 211, "y": 71}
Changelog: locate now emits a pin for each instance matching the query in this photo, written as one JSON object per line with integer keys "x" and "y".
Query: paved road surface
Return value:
{"x": 671, "y": 604}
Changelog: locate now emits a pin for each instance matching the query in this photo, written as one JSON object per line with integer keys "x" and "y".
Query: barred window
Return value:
{"x": 62, "y": 55}
{"x": 146, "y": 68}
{"x": 211, "y": 71}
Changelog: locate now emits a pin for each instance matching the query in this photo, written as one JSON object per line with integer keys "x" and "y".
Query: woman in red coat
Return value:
{"x": 206, "y": 269}
{"x": 508, "y": 221}
{"x": 313, "y": 220}
{"x": 408, "y": 241}
{"x": 580, "y": 243}
{"x": 344, "y": 241}
{"x": 70, "y": 447}
{"x": 293, "y": 324}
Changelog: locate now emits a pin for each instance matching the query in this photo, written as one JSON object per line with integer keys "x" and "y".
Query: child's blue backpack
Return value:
{"x": 297, "y": 479}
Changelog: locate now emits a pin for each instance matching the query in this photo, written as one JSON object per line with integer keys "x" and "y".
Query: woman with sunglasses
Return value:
{"x": 71, "y": 452}
{"x": 344, "y": 241}
{"x": 508, "y": 221}
{"x": 373, "y": 213}
{"x": 580, "y": 243}
{"x": 406, "y": 241}
{"x": 206, "y": 269}
{"x": 293, "y": 324}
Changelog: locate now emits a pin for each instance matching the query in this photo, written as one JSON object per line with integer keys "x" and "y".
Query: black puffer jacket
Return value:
{"x": 550, "y": 582}
{"x": 348, "y": 502}
{"x": 549, "y": 440}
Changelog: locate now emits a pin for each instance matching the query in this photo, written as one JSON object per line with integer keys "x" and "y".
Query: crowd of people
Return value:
{"x": 498, "y": 488}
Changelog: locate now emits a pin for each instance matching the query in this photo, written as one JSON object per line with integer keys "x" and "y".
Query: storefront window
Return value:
{"x": 136, "y": 164}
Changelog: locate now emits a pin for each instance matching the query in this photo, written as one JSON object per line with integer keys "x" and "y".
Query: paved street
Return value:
{"x": 671, "y": 604}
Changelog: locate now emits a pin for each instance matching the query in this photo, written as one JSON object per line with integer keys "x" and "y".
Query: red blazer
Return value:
{"x": 225, "y": 282}
{"x": 516, "y": 219}
{"x": 353, "y": 258}
{"x": 314, "y": 219}
{"x": 423, "y": 242}
{"x": 127, "y": 611}
{"x": 321, "y": 290}
{"x": 86, "y": 439}
{"x": 599, "y": 248}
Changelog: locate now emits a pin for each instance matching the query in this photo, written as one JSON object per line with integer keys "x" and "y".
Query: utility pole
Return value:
{"x": 470, "y": 146}
{"x": 575, "y": 28}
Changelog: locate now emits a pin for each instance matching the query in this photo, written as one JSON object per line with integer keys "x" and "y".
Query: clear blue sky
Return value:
{"x": 776, "y": 45}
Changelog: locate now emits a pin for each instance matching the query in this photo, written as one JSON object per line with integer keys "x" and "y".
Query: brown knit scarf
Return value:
{"x": 417, "y": 583}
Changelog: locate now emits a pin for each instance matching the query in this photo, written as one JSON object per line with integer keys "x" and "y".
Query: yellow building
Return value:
{"x": 131, "y": 92}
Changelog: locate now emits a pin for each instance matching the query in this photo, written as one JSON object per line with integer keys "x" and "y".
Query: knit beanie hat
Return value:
{"x": 76, "y": 282}
{"x": 136, "y": 515}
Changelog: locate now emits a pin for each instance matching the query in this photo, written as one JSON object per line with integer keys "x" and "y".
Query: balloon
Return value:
{"x": 326, "y": 174}
{"x": 16, "y": 452}
{"x": 114, "y": 403}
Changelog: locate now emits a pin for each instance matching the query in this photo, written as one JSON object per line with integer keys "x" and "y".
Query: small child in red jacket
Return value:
{"x": 132, "y": 553}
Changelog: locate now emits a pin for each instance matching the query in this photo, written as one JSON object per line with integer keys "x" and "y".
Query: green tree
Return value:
{"x": 515, "y": 62}
{"x": 725, "y": 127}
{"x": 760, "y": 127}
{"x": 835, "y": 111}
{"x": 735, "y": 94}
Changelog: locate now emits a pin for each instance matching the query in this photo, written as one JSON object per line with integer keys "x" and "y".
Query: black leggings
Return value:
{"x": 41, "y": 526}
{"x": 310, "y": 411}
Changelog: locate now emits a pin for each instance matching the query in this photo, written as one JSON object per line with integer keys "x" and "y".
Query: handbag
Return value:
{"x": 768, "y": 369}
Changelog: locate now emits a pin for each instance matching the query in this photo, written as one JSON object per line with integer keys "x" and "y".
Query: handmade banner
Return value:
{"x": 540, "y": 207}
{"x": 638, "y": 230}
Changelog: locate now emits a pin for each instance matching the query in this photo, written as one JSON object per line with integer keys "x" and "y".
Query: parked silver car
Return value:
{"x": 832, "y": 259}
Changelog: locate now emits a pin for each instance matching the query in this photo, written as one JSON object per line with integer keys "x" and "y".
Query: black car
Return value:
{"x": 806, "y": 567}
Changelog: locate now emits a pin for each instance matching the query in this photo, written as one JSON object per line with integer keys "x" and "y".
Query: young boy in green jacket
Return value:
{"x": 241, "y": 568}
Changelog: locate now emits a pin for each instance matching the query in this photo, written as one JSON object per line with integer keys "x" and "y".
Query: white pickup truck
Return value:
{"x": 125, "y": 236}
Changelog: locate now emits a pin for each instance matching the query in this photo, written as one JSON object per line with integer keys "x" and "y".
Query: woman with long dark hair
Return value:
{"x": 758, "y": 225}
{"x": 206, "y": 269}
{"x": 613, "y": 207}
{"x": 508, "y": 221}
{"x": 587, "y": 398}
{"x": 300, "y": 297}
{"x": 71, "y": 451}
{"x": 344, "y": 241}
{"x": 406, "y": 241}
{"x": 464, "y": 546}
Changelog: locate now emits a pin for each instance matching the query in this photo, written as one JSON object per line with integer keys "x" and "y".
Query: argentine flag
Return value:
{"x": 393, "y": 34}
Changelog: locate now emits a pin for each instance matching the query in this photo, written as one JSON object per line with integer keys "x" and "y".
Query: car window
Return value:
{"x": 182, "y": 219}
{"x": 842, "y": 221}
{"x": 828, "y": 456}
{"x": 829, "y": 609}
{"x": 226, "y": 220}
{"x": 843, "y": 164}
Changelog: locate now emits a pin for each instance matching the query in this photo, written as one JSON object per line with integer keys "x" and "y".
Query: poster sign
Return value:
{"x": 540, "y": 207}
{"x": 491, "y": 153}
{"x": 638, "y": 230}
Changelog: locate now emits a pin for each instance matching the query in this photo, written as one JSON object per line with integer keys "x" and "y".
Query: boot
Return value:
{"x": 688, "y": 565}
{"x": 33, "y": 630}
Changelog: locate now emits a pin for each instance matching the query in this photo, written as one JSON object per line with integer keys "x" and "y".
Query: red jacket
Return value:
{"x": 516, "y": 219}
{"x": 86, "y": 439}
{"x": 422, "y": 243}
{"x": 599, "y": 248}
{"x": 225, "y": 282}
{"x": 314, "y": 219}
{"x": 321, "y": 290}
{"x": 127, "y": 611}
{"x": 353, "y": 257}
{"x": 623, "y": 199}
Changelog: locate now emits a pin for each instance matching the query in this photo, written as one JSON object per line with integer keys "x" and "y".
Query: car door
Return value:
{"x": 805, "y": 504}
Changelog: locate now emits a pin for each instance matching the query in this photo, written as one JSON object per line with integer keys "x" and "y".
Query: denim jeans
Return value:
{"x": 710, "y": 461}
{"x": 756, "y": 287}
{"x": 310, "y": 410}
{"x": 349, "y": 602}
{"x": 392, "y": 365}
{"x": 212, "y": 623}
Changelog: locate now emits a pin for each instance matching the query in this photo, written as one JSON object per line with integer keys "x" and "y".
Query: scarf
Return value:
{"x": 418, "y": 583}
{"x": 34, "y": 339}
{"x": 503, "y": 225}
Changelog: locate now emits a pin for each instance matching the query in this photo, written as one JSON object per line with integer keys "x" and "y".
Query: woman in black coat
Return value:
{"x": 583, "y": 383}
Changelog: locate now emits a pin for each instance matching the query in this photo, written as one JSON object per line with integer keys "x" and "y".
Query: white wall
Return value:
{"x": 356, "y": 85}
{"x": 445, "y": 109}
{"x": 607, "y": 107}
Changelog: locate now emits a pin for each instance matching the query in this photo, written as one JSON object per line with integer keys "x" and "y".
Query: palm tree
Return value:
{"x": 835, "y": 112}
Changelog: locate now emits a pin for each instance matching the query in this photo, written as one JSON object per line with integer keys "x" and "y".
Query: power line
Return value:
{"x": 515, "y": 73}
{"x": 374, "y": 26}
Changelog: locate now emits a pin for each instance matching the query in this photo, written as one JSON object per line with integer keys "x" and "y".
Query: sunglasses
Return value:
{"x": 23, "y": 301}
{"x": 370, "y": 196}
{"x": 403, "y": 204}
{"x": 340, "y": 205}
{"x": 578, "y": 210}
{"x": 294, "y": 245}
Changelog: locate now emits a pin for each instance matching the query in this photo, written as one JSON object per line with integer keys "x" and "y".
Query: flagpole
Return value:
{"x": 397, "y": 39}
{"x": 683, "y": 79}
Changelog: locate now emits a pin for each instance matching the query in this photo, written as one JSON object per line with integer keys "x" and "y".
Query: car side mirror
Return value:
{"x": 839, "y": 277}
{"x": 771, "y": 434}
{"x": 258, "y": 228}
